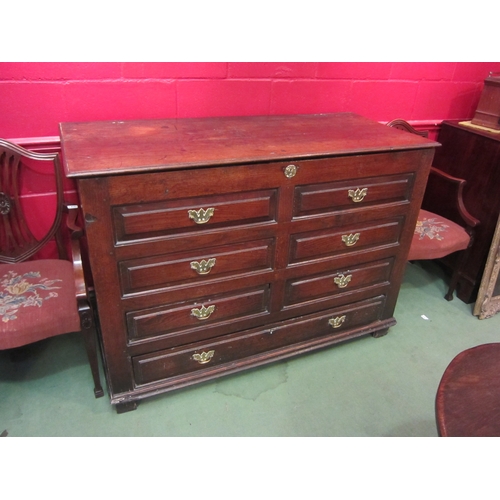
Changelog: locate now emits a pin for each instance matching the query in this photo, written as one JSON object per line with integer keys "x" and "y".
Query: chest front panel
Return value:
{"x": 186, "y": 258}
{"x": 222, "y": 244}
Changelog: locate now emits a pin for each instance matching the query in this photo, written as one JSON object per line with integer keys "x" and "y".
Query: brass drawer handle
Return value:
{"x": 203, "y": 312}
{"x": 203, "y": 266}
{"x": 351, "y": 239}
{"x": 342, "y": 281}
{"x": 204, "y": 357}
{"x": 290, "y": 171}
{"x": 201, "y": 216}
{"x": 358, "y": 194}
{"x": 336, "y": 322}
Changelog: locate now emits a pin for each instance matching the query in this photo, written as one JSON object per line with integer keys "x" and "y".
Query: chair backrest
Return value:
{"x": 17, "y": 242}
{"x": 404, "y": 125}
{"x": 443, "y": 193}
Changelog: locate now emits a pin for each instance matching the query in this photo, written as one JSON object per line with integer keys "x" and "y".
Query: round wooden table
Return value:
{"x": 468, "y": 396}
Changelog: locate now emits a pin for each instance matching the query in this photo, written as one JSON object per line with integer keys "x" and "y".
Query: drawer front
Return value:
{"x": 337, "y": 282}
{"x": 200, "y": 316}
{"x": 139, "y": 222}
{"x": 366, "y": 192}
{"x": 195, "y": 267}
{"x": 178, "y": 361}
{"x": 335, "y": 241}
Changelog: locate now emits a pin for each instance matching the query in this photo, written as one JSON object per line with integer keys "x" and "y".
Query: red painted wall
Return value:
{"x": 35, "y": 97}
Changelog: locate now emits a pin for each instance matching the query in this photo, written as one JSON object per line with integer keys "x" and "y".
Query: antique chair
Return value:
{"x": 40, "y": 297}
{"x": 444, "y": 225}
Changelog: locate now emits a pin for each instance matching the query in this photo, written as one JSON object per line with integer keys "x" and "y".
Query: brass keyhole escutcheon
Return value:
{"x": 342, "y": 281}
{"x": 204, "y": 357}
{"x": 337, "y": 322}
{"x": 358, "y": 194}
{"x": 203, "y": 266}
{"x": 201, "y": 216}
{"x": 290, "y": 171}
{"x": 203, "y": 312}
{"x": 350, "y": 239}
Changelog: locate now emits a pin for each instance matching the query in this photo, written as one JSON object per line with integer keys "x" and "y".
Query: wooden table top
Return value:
{"x": 468, "y": 396}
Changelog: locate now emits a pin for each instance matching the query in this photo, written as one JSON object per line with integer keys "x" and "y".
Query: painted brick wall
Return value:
{"x": 35, "y": 97}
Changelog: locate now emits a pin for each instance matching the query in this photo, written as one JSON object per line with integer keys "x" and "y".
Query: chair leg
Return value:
{"x": 457, "y": 273}
{"x": 453, "y": 284}
{"x": 88, "y": 326}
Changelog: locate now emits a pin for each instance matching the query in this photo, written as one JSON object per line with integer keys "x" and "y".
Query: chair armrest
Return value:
{"x": 76, "y": 233}
{"x": 444, "y": 196}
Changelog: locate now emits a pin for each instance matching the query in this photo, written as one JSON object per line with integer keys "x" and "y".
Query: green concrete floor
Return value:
{"x": 367, "y": 387}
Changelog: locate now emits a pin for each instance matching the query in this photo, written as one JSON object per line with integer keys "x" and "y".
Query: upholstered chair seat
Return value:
{"x": 37, "y": 298}
{"x": 436, "y": 237}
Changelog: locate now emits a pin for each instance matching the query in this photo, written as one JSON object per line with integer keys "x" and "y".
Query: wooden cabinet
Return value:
{"x": 221, "y": 244}
{"x": 473, "y": 153}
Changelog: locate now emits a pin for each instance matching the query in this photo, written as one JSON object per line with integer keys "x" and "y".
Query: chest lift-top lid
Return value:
{"x": 113, "y": 147}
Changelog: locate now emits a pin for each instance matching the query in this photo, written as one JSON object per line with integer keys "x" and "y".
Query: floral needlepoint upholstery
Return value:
{"x": 35, "y": 299}
{"x": 435, "y": 237}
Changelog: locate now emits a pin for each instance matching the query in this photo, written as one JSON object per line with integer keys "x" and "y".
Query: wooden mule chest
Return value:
{"x": 220, "y": 244}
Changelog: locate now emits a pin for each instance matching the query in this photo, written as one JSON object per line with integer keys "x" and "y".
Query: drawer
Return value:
{"x": 143, "y": 221}
{"x": 229, "y": 349}
{"x": 313, "y": 199}
{"x": 200, "y": 316}
{"x": 337, "y": 282}
{"x": 195, "y": 267}
{"x": 334, "y": 241}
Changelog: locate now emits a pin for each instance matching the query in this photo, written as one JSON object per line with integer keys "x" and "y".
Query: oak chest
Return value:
{"x": 220, "y": 244}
